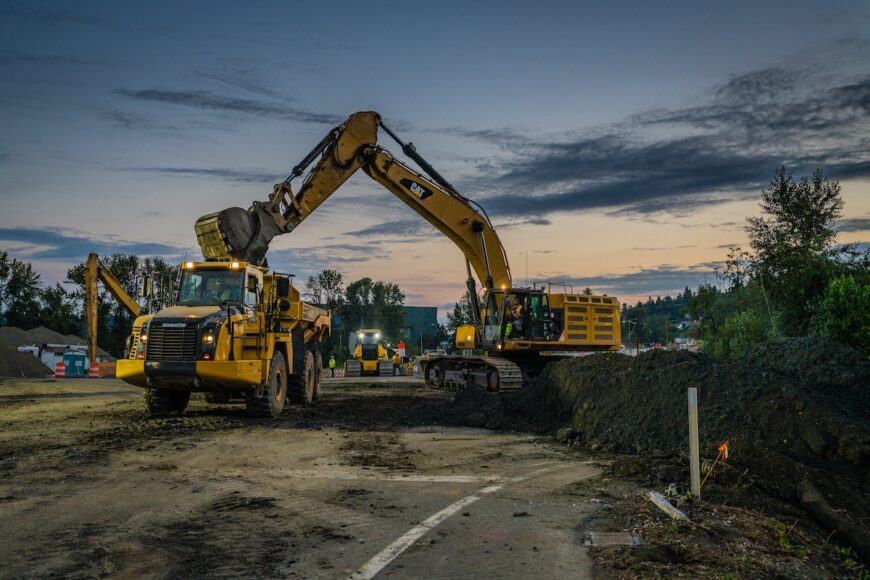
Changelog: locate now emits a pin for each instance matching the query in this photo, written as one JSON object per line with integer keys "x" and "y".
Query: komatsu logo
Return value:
{"x": 420, "y": 191}
{"x": 174, "y": 325}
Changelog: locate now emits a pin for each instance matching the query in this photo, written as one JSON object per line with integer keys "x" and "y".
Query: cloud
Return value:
{"x": 677, "y": 161}
{"x": 497, "y": 136}
{"x": 242, "y": 76}
{"x": 9, "y": 57}
{"x": 207, "y": 100}
{"x": 237, "y": 175}
{"x": 304, "y": 262}
{"x": 403, "y": 228}
{"x": 532, "y": 221}
{"x": 652, "y": 281}
{"x": 652, "y": 249}
{"x": 48, "y": 15}
{"x": 854, "y": 225}
{"x": 60, "y": 244}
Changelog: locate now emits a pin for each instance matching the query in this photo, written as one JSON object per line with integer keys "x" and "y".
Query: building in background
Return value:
{"x": 420, "y": 320}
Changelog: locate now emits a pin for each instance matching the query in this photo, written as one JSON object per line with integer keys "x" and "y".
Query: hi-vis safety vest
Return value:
{"x": 331, "y": 363}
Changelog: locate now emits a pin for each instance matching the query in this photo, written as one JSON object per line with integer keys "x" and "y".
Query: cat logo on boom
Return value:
{"x": 419, "y": 190}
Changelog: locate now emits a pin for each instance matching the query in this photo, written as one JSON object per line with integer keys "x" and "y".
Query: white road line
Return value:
{"x": 388, "y": 554}
{"x": 411, "y": 477}
{"x": 380, "y": 561}
{"x": 355, "y": 476}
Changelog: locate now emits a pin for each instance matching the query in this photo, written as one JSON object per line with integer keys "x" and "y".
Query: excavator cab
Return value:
{"x": 518, "y": 314}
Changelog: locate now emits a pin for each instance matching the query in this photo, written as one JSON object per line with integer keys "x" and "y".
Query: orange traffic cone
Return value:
{"x": 60, "y": 370}
{"x": 94, "y": 371}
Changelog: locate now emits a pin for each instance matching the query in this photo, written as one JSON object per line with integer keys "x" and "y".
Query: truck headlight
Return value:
{"x": 208, "y": 342}
{"x": 142, "y": 342}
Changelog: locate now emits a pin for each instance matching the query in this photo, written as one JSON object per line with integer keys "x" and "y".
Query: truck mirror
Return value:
{"x": 146, "y": 290}
{"x": 283, "y": 287}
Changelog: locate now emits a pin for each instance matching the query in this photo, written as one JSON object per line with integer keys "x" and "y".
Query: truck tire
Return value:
{"x": 165, "y": 401}
{"x": 301, "y": 386}
{"x": 271, "y": 402}
{"x": 216, "y": 398}
{"x": 318, "y": 374}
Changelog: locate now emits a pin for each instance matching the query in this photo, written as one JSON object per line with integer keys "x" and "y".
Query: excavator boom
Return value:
{"x": 245, "y": 234}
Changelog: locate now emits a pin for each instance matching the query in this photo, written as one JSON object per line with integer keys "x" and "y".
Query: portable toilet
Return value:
{"x": 76, "y": 364}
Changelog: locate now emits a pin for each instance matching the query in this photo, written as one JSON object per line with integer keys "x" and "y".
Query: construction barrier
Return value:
{"x": 60, "y": 370}
{"x": 94, "y": 371}
{"x": 107, "y": 370}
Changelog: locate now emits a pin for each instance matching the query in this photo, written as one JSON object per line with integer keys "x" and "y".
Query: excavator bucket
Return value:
{"x": 235, "y": 233}
{"x": 223, "y": 234}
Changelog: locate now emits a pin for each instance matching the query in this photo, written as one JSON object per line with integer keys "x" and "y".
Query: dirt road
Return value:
{"x": 364, "y": 483}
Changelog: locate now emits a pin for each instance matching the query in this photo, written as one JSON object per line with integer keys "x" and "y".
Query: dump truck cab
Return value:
{"x": 235, "y": 330}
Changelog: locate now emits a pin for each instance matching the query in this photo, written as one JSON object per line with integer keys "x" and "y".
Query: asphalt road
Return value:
{"x": 364, "y": 483}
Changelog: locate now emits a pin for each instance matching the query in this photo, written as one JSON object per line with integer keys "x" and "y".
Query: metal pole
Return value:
{"x": 694, "y": 446}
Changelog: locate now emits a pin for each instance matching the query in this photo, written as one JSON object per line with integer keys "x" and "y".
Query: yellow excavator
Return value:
{"x": 369, "y": 356}
{"x": 519, "y": 330}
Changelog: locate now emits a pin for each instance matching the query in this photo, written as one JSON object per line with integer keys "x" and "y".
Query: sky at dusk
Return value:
{"x": 616, "y": 145}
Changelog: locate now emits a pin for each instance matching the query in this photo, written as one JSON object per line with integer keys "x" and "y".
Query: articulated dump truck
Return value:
{"x": 236, "y": 331}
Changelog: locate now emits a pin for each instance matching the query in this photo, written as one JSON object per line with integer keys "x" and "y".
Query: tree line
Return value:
{"x": 27, "y": 302}
{"x": 363, "y": 303}
{"x": 795, "y": 279}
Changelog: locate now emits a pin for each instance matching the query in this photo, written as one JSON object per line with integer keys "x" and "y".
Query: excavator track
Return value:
{"x": 454, "y": 373}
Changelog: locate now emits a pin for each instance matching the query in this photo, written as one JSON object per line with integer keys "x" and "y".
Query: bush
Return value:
{"x": 737, "y": 333}
{"x": 843, "y": 312}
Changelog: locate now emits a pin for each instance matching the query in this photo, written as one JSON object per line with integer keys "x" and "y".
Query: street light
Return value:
{"x": 632, "y": 326}
{"x": 633, "y": 323}
{"x": 421, "y": 335}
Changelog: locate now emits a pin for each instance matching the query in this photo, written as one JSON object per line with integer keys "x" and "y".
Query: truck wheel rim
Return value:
{"x": 279, "y": 386}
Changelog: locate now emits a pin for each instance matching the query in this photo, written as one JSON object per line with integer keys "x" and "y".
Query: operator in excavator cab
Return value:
{"x": 516, "y": 322}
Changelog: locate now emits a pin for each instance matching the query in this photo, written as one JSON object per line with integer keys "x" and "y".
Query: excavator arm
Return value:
{"x": 245, "y": 234}
{"x": 94, "y": 272}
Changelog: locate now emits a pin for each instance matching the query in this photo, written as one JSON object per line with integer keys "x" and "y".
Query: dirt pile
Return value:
{"x": 813, "y": 407}
{"x": 475, "y": 407}
{"x": 23, "y": 364}
{"x": 796, "y": 411}
{"x": 12, "y": 337}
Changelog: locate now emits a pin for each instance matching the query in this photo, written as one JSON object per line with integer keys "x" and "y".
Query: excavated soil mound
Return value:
{"x": 808, "y": 399}
{"x": 11, "y": 337}
{"x": 21, "y": 364}
{"x": 796, "y": 411}
{"x": 475, "y": 407}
